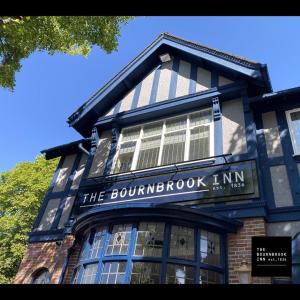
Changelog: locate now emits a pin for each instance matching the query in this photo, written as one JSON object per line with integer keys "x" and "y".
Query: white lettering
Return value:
{"x": 101, "y": 195}
{"x": 170, "y": 185}
{"x": 240, "y": 176}
{"x": 150, "y": 188}
{"x": 114, "y": 194}
{"x": 141, "y": 190}
{"x": 132, "y": 193}
{"x": 85, "y": 196}
{"x": 160, "y": 187}
{"x": 227, "y": 177}
{"x": 123, "y": 192}
{"x": 216, "y": 179}
{"x": 180, "y": 184}
{"x": 93, "y": 197}
{"x": 200, "y": 181}
{"x": 190, "y": 183}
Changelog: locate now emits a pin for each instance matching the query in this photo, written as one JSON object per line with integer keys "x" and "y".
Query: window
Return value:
{"x": 149, "y": 252}
{"x": 175, "y": 140}
{"x": 41, "y": 277}
{"x": 145, "y": 273}
{"x": 293, "y": 118}
{"x": 179, "y": 274}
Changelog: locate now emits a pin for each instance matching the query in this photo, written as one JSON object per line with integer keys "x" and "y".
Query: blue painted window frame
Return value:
{"x": 164, "y": 260}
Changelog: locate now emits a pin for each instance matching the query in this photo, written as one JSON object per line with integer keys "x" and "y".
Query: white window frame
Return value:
{"x": 188, "y": 128}
{"x": 289, "y": 121}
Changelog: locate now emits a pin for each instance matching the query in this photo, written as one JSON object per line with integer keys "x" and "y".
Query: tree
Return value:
{"x": 21, "y": 35}
{"x": 22, "y": 190}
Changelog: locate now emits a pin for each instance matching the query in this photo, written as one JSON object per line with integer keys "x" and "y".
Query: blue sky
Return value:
{"x": 50, "y": 88}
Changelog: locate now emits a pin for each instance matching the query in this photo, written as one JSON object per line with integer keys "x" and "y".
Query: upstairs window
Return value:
{"x": 174, "y": 140}
{"x": 293, "y": 118}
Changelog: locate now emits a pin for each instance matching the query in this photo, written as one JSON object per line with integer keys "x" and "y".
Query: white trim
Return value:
{"x": 289, "y": 121}
{"x": 187, "y": 140}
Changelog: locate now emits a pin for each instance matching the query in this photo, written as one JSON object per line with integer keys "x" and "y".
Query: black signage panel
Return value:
{"x": 271, "y": 256}
{"x": 216, "y": 183}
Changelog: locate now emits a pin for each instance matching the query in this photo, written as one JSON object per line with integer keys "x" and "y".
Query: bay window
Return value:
{"x": 174, "y": 140}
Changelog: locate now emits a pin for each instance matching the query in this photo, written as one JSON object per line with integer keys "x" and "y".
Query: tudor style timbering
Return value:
{"x": 220, "y": 106}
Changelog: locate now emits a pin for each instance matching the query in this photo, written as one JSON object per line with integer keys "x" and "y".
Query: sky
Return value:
{"x": 50, "y": 88}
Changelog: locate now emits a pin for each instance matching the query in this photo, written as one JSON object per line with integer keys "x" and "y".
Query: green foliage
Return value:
{"x": 75, "y": 35}
{"x": 21, "y": 192}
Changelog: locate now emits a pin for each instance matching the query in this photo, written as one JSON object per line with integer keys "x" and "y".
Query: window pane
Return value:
{"x": 119, "y": 240}
{"x": 97, "y": 244}
{"x": 179, "y": 274}
{"x": 182, "y": 242}
{"x": 149, "y": 241}
{"x": 173, "y": 148}
{"x": 145, "y": 273}
{"x": 75, "y": 278}
{"x": 210, "y": 248}
{"x": 152, "y": 129}
{"x": 199, "y": 143}
{"x": 176, "y": 123}
{"x": 89, "y": 273}
{"x": 114, "y": 272}
{"x": 43, "y": 277}
{"x": 148, "y": 155}
{"x": 125, "y": 157}
{"x": 210, "y": 277}
{"x": 130, "y": 134}
{"x": 295, "y": 117}
{"x": 199, "y": 118}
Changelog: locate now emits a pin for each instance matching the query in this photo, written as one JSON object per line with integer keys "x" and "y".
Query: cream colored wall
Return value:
{"x": 66, "y": 211}
{"x": 64, "y": 173}
{"x": 49, "y": 214}
{"x": 183, "y": 78}
{"x": 145, "y": 94}
{"x": 271, "y": 134}
{"x": 79, "y": 172}
{"x": 203, "y": 80}
{"x": 164, "y": 81}
{"x": 127, "y": 101}
{"x": 101, "y": 154}
{"x": 233, "y": 122}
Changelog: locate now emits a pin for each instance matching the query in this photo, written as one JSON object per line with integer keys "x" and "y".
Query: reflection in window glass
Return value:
{"x": 89, "y": 274}
{"x": 149, "y": 151}
{"x": 295, "y": 120}
{"x": 182, "y": 242}
{"x": 76, "y": 274}
{"x": 119, "y": 240}
{"x": 173, "y": 148}
{"x": 125, "y": 157}
{"x": 179, "y": 274}
{"x": 114, "y": 272}
{"x": 201, "y": 117}
{"x": 210, "y": 277}
{"x": 199, "y": 143}
{"x": 149, "y": 241}
{"x": 176, "y": 124}
{"x": 98, "y": 242}
{"x": 210, "y": 248}
{"x": 145, "y": 273}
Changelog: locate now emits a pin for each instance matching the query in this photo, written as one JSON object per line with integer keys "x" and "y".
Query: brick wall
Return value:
{"x": 72, "y": 262}
{"x": 239, "y": 248}
{"x": 44, "y": 255}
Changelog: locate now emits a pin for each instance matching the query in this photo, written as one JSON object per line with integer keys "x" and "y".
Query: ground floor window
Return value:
{"x": 151, "y": 253}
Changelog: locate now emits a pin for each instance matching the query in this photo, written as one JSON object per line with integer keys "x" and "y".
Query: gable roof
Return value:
{"x": 107, "y": 96}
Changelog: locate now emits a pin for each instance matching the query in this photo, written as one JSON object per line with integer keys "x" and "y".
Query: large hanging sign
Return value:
{"x": 225, "y": 182}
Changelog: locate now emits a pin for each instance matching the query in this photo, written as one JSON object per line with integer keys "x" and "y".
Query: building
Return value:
{"x": 186, "y": 154}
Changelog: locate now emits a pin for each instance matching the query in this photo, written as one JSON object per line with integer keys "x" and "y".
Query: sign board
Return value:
{"x": 232, "y": 181}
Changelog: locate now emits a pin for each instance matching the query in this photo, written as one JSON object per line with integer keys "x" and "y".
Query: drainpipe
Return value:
{"x": 83, "y": 149}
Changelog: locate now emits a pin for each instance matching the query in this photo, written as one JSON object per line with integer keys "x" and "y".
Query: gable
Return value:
{"x": 162, "y": 88}
{"x": 170, "y": 80}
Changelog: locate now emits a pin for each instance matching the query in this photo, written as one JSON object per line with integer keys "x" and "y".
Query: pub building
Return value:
{"x": 185, "y": 154}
